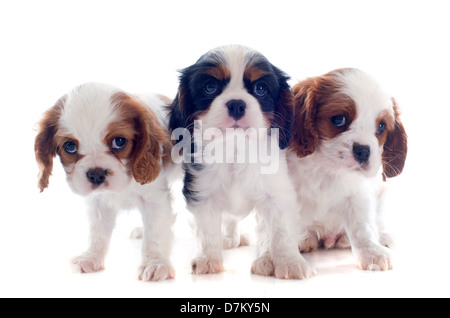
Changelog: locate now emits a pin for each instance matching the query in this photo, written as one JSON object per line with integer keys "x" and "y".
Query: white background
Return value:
{"x": 48, "y": 47}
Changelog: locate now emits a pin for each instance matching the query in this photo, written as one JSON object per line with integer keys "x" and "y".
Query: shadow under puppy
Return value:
{"x": 235, "y": 92}
{"x": 347, "y": 139}
{"x": 112, "y": 147}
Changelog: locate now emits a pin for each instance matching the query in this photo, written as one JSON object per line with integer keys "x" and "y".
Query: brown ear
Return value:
{"x": 305, "y": 137}
{"x": 152, "y": 140}
{"x": 45, "y": 144}
{"x": 395, "y": 148}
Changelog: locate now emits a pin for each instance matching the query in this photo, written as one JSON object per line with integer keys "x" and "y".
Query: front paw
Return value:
{"x": 155, "y": 270}
{"x": 207, "y": 265}
{"x": 263, "y": 266}
{"x": 296, "y": 268}
{"x": 377, "y": 258}
{"x": 88, "y": 263}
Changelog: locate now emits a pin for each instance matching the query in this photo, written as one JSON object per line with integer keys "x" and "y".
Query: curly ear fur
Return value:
{"x": 395, "y": 148}
{"x": 305, "y": 137}
{"x": 45, "y": 146}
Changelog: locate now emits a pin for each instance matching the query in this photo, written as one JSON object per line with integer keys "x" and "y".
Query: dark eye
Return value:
{"x": 260, "y": 90}
{"x": 70, "y": 147}
{"x": 118, "y": 143}
{"x": 338, "y": 121}
{"x": 381, "y": 128}
{"x": 210, "y": 88}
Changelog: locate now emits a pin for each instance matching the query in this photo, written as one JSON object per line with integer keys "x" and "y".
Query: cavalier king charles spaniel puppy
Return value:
{"x": 234, "y": 93}
{"x": 112, "y": 147}
{"x": 347, "y": 139}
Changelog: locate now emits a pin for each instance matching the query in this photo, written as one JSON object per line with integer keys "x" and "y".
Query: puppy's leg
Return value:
{"x": 278, "y": 253}
{"x": 384, "y": 237}
{"x": 232, "y": 237}
{"x": 277, "y": 239}
{"x": 157, "y": 235}
{"x": 208, "y": 231}
{"x": 362, "y": 231}
{"x": 102, "y": 220}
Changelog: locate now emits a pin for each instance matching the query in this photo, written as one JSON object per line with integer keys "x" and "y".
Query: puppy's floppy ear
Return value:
{"x": 151, "y": 142}
{"x": 182, "y": 105}
{"x": 151, "y": 139}
{"x": 284, "y": 111}
{"x": 176, "y": 112}
{"x": 305, "y": 137}
{"x": 45, "y": 146}
{"x": 395, "y": 148}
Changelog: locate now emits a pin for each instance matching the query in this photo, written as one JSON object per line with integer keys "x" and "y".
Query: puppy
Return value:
{"x": 347, "y": 139}
{"x": 235, "y": 92}
{"x": 112, "y": 145}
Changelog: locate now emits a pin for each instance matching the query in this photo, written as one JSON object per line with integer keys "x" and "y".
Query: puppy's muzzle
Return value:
{"x": 361, "y": 153}
{"x": 96, "y": 176}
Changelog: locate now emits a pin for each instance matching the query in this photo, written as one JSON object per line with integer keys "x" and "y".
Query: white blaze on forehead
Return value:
{"x": 87, "y": 113}
{"x": 235, "y": 57}
{"x": 370, "y": 98}
{"x": 365, "y": 91}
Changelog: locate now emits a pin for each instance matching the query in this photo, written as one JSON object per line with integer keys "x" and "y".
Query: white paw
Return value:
{"x": 309, "y": 244}
{"x": 230, "y": 242}
{"x": 296, "y": 268}
{"x": 343, "y": 242}
{"x": 155, "y": 270}
{"x": 207, "y": 265}
{"x": 88, "y": 263}
{"x": 263, "y": 266}
{"x": 377, "y": 258}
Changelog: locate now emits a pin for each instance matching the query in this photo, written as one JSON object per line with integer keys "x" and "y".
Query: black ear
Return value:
{"x": 176, "y": 117}
{"x": 182, "y": 104}
{"x": 284, "y": 110}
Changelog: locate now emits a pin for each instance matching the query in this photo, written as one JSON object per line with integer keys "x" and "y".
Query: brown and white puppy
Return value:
{"x": 347, "y": 139}
{"x": 111, "y": 145}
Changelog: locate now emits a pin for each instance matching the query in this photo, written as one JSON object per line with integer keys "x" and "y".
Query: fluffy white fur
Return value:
{"x": 340, "y": 200}
{"x": 85, "y": 114}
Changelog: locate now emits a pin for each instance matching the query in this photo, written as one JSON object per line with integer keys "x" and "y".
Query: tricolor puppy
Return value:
{"x": 235, "y": 92}
{"x": 111, "y": 145}
{"x": 347, "y": 139}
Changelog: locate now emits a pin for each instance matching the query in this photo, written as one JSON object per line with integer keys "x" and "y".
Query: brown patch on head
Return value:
{"x": 220, "y": 72}
{"x": 395, "y": 147}
{"x": 121, "y": 129}
{"x": 253, "y": 73}
{"x": 316, "y": 101}
{"x": 149, "y": 137}
{"x": 334, "y": 104}
{"x": 45, "y": 145}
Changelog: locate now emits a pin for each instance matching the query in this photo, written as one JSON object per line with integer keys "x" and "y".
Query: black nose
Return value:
{"x": 361, "y": 153}
{"x": 236, "y": 108}
{"x": 96, "y": 176}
